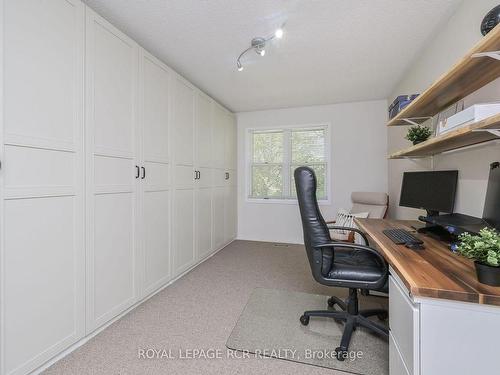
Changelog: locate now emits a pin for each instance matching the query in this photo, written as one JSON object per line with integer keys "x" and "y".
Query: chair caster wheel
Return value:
{"x": 331, "y": 302}
{"x": 383, "y": 316}
{"x": 304, "y": 320}
{"x": 341, "y": 354}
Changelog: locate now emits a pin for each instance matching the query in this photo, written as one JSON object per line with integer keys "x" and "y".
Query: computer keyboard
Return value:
{"x": 401, "y": 236}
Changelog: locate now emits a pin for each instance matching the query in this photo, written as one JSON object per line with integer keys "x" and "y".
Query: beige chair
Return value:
{"x": 374, "y": 203}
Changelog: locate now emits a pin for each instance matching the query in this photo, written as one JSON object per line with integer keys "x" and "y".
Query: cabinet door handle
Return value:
{"x": 143, "y": 173}
{"x": 199, "y": 175}
{"x": 195, "y": 175}
{"x": 227, "y": 176}
{"x": 138, "y": 172}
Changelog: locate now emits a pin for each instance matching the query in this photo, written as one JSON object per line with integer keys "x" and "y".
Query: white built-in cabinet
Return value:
{"x": 204, "y": 204}
{"x": 42, "y": 255}
{"x": 230, "y": 201}
{"x": 182, "y": 126}
{"x": 204, "y": 177}
{"x": 224, "y": 192}
{"x": 154, "y": 173}
{"x": 112, "y": 152}
{"x": 117, "y": 175}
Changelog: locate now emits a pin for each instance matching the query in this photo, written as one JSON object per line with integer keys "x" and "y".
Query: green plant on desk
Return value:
{"x": 485, "y": 250}
{"x": 418, "y": 133}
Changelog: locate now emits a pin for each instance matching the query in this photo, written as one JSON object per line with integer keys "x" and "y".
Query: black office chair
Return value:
{"x": 339, "y": 264}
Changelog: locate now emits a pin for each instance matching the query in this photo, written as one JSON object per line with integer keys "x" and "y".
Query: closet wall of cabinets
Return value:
{"x": 117, "y": 175}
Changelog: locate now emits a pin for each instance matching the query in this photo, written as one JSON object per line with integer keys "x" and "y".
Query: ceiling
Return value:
{"x": 333, "y": 50}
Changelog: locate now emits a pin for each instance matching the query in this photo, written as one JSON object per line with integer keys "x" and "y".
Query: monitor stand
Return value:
{"x": 437, "y": 232}
{"x": 446, "y": 227}
{"x": 432, "y": 229}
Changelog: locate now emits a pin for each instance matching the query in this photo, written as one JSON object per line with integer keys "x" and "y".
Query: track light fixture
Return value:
{"x": 259, "y": 46}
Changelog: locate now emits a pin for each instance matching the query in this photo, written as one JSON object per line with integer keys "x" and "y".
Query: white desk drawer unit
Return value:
{"x": 404, "y": 322}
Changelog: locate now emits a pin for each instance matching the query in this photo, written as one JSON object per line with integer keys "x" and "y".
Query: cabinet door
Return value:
{"x": 219, "y": 138}
{"x": 183, "y": 122}
{"x": 230, "y": 141}
{"x": 155, "y": 183}
{"x": 203, "y": 222}
{"x": 183, "y": 224}
{"x": 111, "y": 158}
{"x": 42, "y": 265}
{"x": 204, "y": 120}
{"x": 204, "y": 160}
{"x": 218, "y": 217}
{"x": 156, "y": 232}
{"x": 230, "y": 221}
{"x": 405, "y": 324}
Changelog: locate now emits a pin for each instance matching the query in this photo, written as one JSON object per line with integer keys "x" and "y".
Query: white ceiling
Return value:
{"x": 333, "y": 50}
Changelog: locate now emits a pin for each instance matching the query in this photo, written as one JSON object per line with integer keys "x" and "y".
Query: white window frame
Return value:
{"x": 286, "y": 161}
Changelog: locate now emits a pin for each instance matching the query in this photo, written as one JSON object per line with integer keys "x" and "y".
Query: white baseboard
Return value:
{"x": 273, "y": 240}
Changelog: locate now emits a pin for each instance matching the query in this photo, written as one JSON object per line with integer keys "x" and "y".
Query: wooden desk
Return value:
{"x": 441, "y": 318}
{"x": 433, "y": 272}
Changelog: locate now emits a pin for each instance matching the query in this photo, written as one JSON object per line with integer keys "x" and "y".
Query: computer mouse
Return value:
{"x": 415, "y": 246}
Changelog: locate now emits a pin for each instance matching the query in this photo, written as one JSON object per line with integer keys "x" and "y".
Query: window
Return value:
{"x": 275, "y": 154}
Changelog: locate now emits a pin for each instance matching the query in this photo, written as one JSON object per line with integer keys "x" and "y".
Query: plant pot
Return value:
{"x": 418, "y": 141}
{"x": 487, "y": 274}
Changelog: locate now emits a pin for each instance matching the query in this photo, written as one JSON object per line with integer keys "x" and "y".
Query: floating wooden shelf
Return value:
{"x": 466, "y": 76}
{"x": 469, "y": 135}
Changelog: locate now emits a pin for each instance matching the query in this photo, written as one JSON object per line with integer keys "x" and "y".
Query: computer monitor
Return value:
{"x": 491, "y": 212}
{"x": 433, "y": 191}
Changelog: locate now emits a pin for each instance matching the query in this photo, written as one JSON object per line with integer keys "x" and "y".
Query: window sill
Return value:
{"x": 290, "y": 201}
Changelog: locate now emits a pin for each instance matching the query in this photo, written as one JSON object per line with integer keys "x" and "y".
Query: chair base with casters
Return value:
{"x": 352, "y": 318}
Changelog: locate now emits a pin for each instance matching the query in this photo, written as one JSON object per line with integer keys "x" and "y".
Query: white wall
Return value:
{"x": 446, "y": 47}
{"x": 358, "y": 163}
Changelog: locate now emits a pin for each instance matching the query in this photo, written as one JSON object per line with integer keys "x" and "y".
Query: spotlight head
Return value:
{"x": 259, "y": 45}
{"x": 279, "y": 33}
{"x": 238, "y": 64}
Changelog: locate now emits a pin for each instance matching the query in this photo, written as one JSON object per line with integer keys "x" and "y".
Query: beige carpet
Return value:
{"x": 199, "y": 311}
{"x": 270, "y": 326}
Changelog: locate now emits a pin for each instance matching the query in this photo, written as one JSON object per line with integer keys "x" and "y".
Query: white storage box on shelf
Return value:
{"x": 474, "y": 113}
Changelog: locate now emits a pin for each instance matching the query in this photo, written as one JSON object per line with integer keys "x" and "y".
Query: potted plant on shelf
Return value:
{"x": 484, "y": 249}
{"x": 418, "y": 134}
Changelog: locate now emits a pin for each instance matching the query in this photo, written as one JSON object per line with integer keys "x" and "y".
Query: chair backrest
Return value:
{"x": 373, "y": 203}
{"x": 314, "y": 226}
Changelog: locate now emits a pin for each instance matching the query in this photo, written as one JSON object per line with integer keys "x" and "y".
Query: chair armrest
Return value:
{"x": 351, "y": 230}
{"x": 351, "y": 237}
{"x": 357, "y": 247}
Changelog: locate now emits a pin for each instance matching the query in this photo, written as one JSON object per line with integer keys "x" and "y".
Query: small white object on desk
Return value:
{"x": 474, "y": 113}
